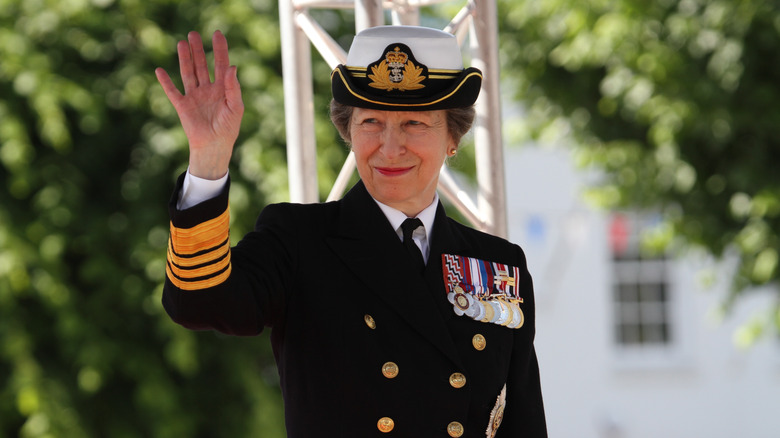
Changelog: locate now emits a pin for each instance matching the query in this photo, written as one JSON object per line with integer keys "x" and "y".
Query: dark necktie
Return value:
{"x": 408, "y": 227}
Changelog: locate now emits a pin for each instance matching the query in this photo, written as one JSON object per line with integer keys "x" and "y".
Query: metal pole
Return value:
{"x": 405, "y": 14}
{"x": 340, "y": 185}
{"x": 325, "y": 45}
{"x": 491, "y": 199}
{"x": 461, "y": 23}
{"x": 298, "y": 107}
{"x": 368, "y": 13}
{"x": 451, "y": 190}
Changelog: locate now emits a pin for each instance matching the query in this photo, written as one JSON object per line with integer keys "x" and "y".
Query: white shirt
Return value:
{"x": 196, "y": 190}
{"x": 422, "y": 235}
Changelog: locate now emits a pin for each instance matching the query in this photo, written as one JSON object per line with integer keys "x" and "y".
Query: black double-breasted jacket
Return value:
{"x": 362, "y": 340}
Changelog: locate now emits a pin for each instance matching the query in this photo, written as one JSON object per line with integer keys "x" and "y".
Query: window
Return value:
{"x": 640, "y": 287}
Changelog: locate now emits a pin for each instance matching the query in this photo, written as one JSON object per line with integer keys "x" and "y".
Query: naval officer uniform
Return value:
{"x": 370, "y": 338}
{"x": 365, "y": 344}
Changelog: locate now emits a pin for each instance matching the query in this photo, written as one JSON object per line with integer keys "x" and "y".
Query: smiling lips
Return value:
{"x": 393, "y": 171}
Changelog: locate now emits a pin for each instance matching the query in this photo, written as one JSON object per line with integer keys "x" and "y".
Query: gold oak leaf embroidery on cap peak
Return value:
{"x": 388, "y": 76}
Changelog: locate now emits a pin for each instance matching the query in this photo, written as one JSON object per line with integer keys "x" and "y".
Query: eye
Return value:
{"x": 368, "y": 125}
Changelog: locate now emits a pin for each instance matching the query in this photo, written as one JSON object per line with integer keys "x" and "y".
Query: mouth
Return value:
{"x": 393, "y": 171}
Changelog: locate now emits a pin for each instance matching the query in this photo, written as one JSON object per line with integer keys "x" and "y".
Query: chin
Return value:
{"x": 393, "y": 196}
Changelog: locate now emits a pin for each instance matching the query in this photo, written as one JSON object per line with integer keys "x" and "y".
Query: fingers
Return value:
{"x": 233, "y": 91}
{"x": 199, "y": 58}
{"x": 194, "y": 68}
{"x": 186, "y": 66}
{"x": 221, "y": 63}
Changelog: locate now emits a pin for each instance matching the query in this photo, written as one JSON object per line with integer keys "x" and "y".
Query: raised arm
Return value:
{"x": 210, "y": 112}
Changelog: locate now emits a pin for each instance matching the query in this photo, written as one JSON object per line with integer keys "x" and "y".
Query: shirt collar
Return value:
{"x": 427, "y": 216}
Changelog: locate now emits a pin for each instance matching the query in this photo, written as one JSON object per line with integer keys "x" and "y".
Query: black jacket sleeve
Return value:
{"x": 210, "y": 285}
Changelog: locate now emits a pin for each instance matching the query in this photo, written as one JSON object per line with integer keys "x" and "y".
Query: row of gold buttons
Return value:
{"x": 478, "y": 341}
{"x": 457, "y": 380}
{"x": 390, "y": 370}
{"x": 386, "y": 424}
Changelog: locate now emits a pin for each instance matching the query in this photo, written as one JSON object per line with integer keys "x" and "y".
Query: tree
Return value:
{"x": 89, "y": 151}
{"x": 676, "y": 102}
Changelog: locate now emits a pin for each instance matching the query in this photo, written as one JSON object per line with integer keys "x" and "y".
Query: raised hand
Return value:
{"x": 210, "y": 112}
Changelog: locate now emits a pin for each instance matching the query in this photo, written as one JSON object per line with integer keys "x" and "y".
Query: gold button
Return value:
{"x": 386, "y": 424}
{"x": 390, "y": 370}
{"x": 370, "y": 321}
{"x": 479, "y": 342}
{"x": 455, "y": 429}
{"x": 457, "y": 380}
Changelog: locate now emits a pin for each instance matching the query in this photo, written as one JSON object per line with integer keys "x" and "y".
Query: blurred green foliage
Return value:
{"x": 676, "y": 102}
{"x": 89, "y": 150}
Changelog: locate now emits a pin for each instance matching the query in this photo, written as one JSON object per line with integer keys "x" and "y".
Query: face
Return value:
{"x": 399, "y": 155}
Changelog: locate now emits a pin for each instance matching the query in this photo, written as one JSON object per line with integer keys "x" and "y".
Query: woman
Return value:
{"x": 381, "y": 325}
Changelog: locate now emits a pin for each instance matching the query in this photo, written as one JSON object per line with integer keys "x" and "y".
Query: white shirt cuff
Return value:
{"x": 195, "y": 190}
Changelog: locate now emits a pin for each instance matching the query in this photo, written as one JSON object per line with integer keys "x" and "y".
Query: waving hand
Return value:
{"x": 210, "y": 112}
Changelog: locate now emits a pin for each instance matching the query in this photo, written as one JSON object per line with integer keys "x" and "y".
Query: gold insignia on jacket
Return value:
{"x": 497, "y": 414}
{"x": 396, "y": 72}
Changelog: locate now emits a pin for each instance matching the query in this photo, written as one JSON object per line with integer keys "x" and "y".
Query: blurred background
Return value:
{"x": 642, "y": 146}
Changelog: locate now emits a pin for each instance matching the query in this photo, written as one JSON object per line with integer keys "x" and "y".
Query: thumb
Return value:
{"x": 165, "y": 81}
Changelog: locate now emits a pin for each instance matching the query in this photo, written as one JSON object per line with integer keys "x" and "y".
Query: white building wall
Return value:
{"x": 703, "y": 386}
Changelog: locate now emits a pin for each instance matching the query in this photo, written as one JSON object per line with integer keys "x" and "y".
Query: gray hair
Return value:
{"x": 459, "y": 120}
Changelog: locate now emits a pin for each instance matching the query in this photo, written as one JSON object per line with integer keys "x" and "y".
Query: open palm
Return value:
{"x": 210, "y": 112}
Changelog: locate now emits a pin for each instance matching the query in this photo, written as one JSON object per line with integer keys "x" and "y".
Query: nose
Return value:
{"x": 393, "y": 141}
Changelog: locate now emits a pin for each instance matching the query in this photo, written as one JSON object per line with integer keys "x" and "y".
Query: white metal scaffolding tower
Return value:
{"x": 477, "y": 18}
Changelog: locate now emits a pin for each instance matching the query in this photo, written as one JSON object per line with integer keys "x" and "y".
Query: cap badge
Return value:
{"x": 396, "y": 72}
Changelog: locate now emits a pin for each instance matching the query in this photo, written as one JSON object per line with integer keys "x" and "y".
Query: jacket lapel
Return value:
{"x": 443, "y": 241}
{"x": 369, "y": 247}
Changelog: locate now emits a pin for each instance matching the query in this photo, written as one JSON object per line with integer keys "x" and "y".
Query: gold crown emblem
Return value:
{"x": 396, "y": 57}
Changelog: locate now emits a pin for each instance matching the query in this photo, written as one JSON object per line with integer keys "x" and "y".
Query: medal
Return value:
{"x": 505, "y": 312}
{"x": 484, "y": 291}
{"x": 451, "y": 299}
{"x": 480, "y": 311}
{"x": 489, "y": 312}
{"x": 461, "y": 301}
{"x": 474, "y": 307}
{"x": 518, "y": 318}
{"x": 510, "y": 319}
{"x": 496, "y": 311}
